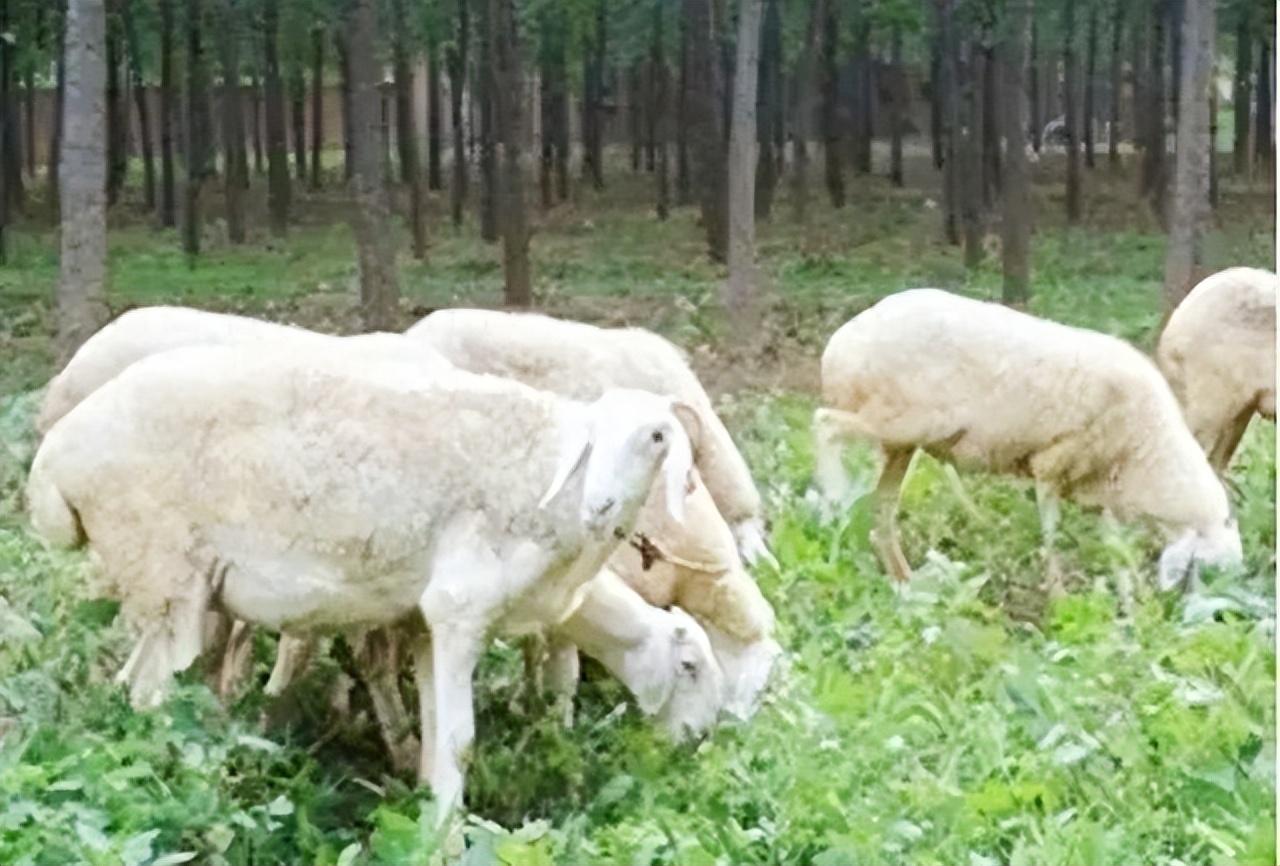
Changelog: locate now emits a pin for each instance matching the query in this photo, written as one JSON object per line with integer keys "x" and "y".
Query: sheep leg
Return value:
{"x": 292, "y": 656}
{"x": 454, "y": 653}
{"x": 561, "y": 673}
{"x": 423, "y": 665}
{"x": 1228, "y": 440}
{"x": 379, "y": 664}
{"x": 884, "y": 537}
{"x": 829, "y": 436}
{"x": 1050, "y": 512}
{"x": 235, "y": 660}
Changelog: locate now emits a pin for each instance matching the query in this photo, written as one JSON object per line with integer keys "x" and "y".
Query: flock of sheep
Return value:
{"x": 490, "y": 472}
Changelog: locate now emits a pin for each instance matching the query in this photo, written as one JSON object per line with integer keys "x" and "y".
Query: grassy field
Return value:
{"x": 967, "y": 720}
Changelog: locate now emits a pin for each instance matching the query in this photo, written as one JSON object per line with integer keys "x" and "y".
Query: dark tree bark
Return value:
{"x": 317, "y": 104}
{"x": 936, "y": 89}
{"x": 808, "y": 73}
{"x": 552, "y": 102}
{"x": 830, "y": 106}
{"x": 706, "y": 128}
{"x": 1264, "y": 146}
{"x": 6, "y": 75}
{"x": 1034, "y": 87}
{"x": 1016, "y": 191}
{"x": 1174, "y": 11}
{"x": 486, "y": 66}
{"x": 255, "y": 121}
{"x": 406, "y": 137}
{"x": 635, "y": 116}
{"x": 29, "y": 90}
{"x": 1213, "y": 146}
{"x": 198, "y": 129}
{"x": 1242, "y": 89}
{"x": 1153, "y": 158}
{"x": 55, "y": 135}
{"x": 684, "y": 183}
{"x": 661, "y": 110}
{"x": 375, "y": 250}
{"x": 897, "y": 108}
{"x": 1117, "y": 84}
{"x": 278, "y": 189}
{"x": 741, "y": 293}
{"x": 1071, "y": 80}
{"x": 457, "y": 61}
{"x": 348, "y": 131}
{"x": 232, "y": 122}
{"x": 435, "y": 117}
{"x": 503, "y": 21}
{"x": 1139, "y": 36}
{"x": 952, "y": 148}
{"x": 991, "y": 75}
{"x": 133, "y": 49}
{"x": 593, "y": 86}
{"x": 298, "y": 117}
{"x": 969, "y": 78}
{"x": 117, "y": 121}
{"x": 1090, "y": 86}
{"x": 769, "y": 106}
{"x": 860, "y": 133}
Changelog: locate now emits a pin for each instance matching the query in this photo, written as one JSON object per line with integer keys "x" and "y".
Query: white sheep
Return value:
{"x": 1085, "y": 415}
{"x": 1218, "y": 352}
{"x": 580, "y": 361}
{"x": 300, "y": 492}
{"x": 151, "y": 330}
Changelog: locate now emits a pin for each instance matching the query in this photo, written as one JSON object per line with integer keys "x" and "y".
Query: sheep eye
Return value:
{"x": 657, "y": 436}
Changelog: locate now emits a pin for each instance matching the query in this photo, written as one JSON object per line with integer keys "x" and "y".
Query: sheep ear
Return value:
{"x": 691, "y": 421}
{"x": 575, "y": 445}
{"x": 676, "y": 470}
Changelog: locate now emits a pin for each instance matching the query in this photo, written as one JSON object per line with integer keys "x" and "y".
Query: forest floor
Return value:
{"x": 965, "y": 720}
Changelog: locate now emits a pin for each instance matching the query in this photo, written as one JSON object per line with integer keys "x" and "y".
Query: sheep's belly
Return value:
{"x": 300, "y": 589}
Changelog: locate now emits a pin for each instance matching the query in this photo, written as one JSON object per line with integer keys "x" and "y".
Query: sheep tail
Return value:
{"x": 52, "y": 517}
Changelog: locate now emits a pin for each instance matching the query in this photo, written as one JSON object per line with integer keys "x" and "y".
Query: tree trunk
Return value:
{"x": 298, "y": 117}
{"x": 705, "y": 126}
{"x": 990, "y": 127}
{"x": 861, "y": 114}
{"x": 504, "y": 22}
{"x": 1071, "y": 81}
{"x": 1190, "y": 214}
{"x": 1090, "y": 75}
{"x": 406, "y": 136}
{"x": 1016, "y": 190}
{"x": 1241, "y": 90}
{"x": 255, "y": 121}
{"x": 552, "y": 101}
{"x": 278, "y": 190}
{"x": 1213, "y": 145}
{"x": 6, "y": 74}
{"x": 197, "y": 129}
{"x": 232, "y": 123}
{"x": 635, "y": 120}
{"x": 830, "y": 106}
{"x": 1034, "y": 86}
{"x": 593, "y": 58}
{"x": 897, "y": 108}
{"x": 769, "y": 101}
{"x": 1153, "y": 158}
{"x": 317, "y": 104}
{"x": 132, "y": 50}
{"x": 117, "y": 130}
{"x": 661, "y": 109}
{"x": 741, "y": 295}
{"x": 952, "y": 192}
{"x": 435, "y": 118}
{"x": 806, "y": 79}
{"x": 55, "y": 136}
{"x": 684, "y": 184}
{"x": 1263, "y": 144}
{"x": 969, "y": 78}
{"x": 486, "y": 64}
{"x": 83, "y": 246}
{"x": 29, "y": 91}
{"x": 375, "y": 248}
{"x": 936, "y": 89}
{"x": 1117, "y": 84}
{"x": 1174, "y": 11}
{"x": 348, "y": 131}
{"x": 457, "y": 60}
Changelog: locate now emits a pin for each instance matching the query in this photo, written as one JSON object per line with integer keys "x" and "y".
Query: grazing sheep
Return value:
{"x": 1083, "y": 414}
{"x": 1218, "y": 352}
{"x": 298, "y": 491}
{"x": 151, "y": 330}
{"x": 580, "y": 361}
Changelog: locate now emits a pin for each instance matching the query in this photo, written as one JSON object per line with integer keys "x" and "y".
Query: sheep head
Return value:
{"x": 1218, "y": 546}
{"x": 618, "y": 444}
{"x": 694, "y": 690}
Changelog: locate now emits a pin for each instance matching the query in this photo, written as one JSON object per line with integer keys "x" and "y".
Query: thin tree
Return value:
{"x": 133, "y": 50}
{"x": 375, "y": 252}
{"x": 897, "y": 104}
{"x": 317, "y": 104}
{"x": 457, "y": 62}
{"x": 969, "y": 78}
{"x": 278, "y": 189}
{"x": 593, "y": 96}
{"x": 684, "y": 182}
{"x": 1016, "y": 189}
{"x": 232, "y": 121}
{"x": 197, "y": 129}
{"x": 705, "y": 126}
{"x": 1190, "y": 216}
{"x": 661, "y": 110}
{"x": 117, "y": 120}
{"x": 1117, "y": 82}
{"x": 1034, "y": 85}
{"x": 1090, "y": 82}
{"x": 1264, "y": 145}
{"x": 83, "y": 184}
{"x": 1071, "y": 81}
{"x": 991, "y": 132}
{"x": 1242, "y": 88}
{"x": 344, "y": 84}
{"x": 951, "y": 77}
{"x": 298, "y": 117}
{"x": 860, "y": 136}
{"x": 740, "y": 295}
{"x": 255, "y": 119}
{"x": 435, "y": 115}
{"x": 6, "y": 73}
{"x": 769, "y": 102}
{"x": 936, "y": 122}
{"x": 806, "y": 89}
{"x": 406, "y": 137}
{"x": 830, "y": 106}
{"x": 55, "y": 135}
{"x": 485, "y": 67}
{"x": 508, "y": 75}
{"x": 1153, "y": 157}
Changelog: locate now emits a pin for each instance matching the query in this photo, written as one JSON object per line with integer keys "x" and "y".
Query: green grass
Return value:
{"x": 967, "y": 720}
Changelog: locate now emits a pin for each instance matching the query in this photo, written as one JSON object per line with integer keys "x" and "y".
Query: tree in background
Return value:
{"x": 83, "y": 179}
{"x": 235, "y": 176}
{"x": 279, "y": 193}
{"x": 198, "y": 129}
{"x": 1189, "y": 219}
{"x": 741, "y": 290}
{"x": 503, "y": 21}
{"x": 1016, "y": 193}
